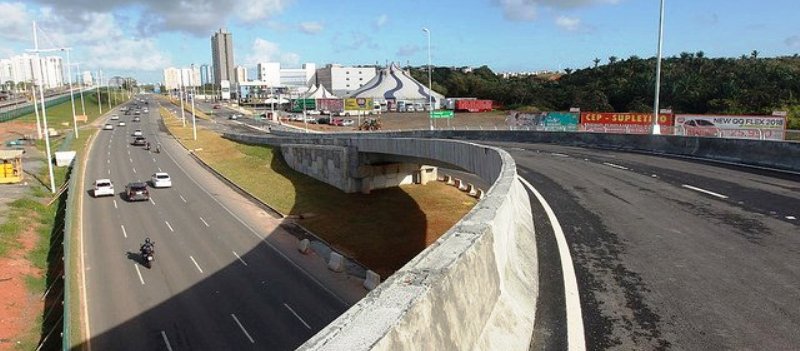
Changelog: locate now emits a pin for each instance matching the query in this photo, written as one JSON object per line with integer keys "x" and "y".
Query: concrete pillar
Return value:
{"x": 372, "y": 281}
{"x": 460, "y": 185}
{"x": 336, "y": 262}
{"x": 479, "y": 194}
{"x": 303, "y": 246}
{"x": 449, "y": 180}
{"x": 471, "y": 190}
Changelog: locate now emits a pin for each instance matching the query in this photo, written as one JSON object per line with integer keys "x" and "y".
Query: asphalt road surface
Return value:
{"x": 668, "y": 253}
{"x": 214, "y": 284}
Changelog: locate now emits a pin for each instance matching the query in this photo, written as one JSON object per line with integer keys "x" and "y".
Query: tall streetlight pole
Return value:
{"x": 656, "y": 126}
{"x": 180, "y": 96}
{"x": 44, "y": 112}
{"x": 71, "y": 94}
{"x": 82, "y": 86}
{"x": 430, "y": 97}
{"x": 97, "y": 84}
{"x": 108, "y": 90}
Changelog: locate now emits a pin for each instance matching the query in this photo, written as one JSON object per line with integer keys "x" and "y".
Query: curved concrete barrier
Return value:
{"x": 474, "y": 288}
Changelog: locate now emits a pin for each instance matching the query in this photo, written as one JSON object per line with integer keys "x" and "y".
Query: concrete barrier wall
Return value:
{"x": 761, "y": 153}
{"x": 474, "y": 288}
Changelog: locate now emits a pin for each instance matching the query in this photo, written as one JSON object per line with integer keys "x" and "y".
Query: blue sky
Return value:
{"x": 142, "y": 37}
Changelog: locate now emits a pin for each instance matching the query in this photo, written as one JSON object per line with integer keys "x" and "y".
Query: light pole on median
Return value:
{"x": 656, "y": 126}
{"x": 194, "y": 127}
{"x": 97, "y": 90}
{"x": 81, "y": 87}
{"x": 430, "y": 97}
{"x": 44, "y": 112}
{"x": 71, "y": 94}
{"x": 180, "y": 96}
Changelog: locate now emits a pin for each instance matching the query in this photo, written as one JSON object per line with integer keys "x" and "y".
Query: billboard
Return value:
{"x": 730, "y": 126}
{"x": 304, "y": 104}
{"x": 225, "y": 89}
{"x": 548, "y": 121}
{"x": 330, "y": 105}
{"x": 358, "y": 104}
{"x": 628, "y": 118}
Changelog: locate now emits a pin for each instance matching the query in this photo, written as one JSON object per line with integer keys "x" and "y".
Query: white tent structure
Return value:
{"x": 319, "y": 92}
{"x": 392, "y": 85}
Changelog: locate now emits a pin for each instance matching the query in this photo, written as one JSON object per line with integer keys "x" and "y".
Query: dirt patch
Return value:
{"x": 13, "y": 130}
{"x": 18, "y": 307}
{"x": 420, "y": 120}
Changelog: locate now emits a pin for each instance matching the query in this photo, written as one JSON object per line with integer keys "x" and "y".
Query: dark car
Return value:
{"x": 137, "y": 191}
{"x": 139, "y": 141}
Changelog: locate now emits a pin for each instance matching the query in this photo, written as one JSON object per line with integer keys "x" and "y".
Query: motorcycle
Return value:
{"x": 158, "y": 150}
{"x": 147, "y": 257}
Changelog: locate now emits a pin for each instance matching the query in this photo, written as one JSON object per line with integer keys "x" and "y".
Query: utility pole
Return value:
{"x": 44, "y": 113}
{"x": 656, "y": 126}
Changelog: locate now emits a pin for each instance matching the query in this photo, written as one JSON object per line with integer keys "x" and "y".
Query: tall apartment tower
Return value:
{"x": 222, "y": 55}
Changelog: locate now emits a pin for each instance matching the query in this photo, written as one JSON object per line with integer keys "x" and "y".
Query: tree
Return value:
{"x": 612, "y": 60}
{"x": 596, "y": 62}
{"x": 754, "y": 54}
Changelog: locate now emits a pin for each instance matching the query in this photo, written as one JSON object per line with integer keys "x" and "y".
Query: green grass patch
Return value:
{"x": 382, "y": 230}
{"x": 60, "y": 116}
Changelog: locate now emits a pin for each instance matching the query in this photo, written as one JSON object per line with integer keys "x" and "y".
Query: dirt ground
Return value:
{"x": 420, "y": 120}
{"x": 18, "y": 308}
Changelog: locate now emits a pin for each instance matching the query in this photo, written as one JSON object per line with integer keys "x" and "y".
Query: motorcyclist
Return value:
{"x": 158, "y": 148}
{"x": 148, "y": 247}
{"x": 147, "y": 146}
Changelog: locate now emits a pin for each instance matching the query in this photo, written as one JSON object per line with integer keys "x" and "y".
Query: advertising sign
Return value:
{"x": 225, "y": 89}
{"x": 738, "y": 127}
{"x": 548, "y": 121}
{"x": 304, "y": 104}
{"x": 330, "y": 105}
{"x": 358, "y": 104}
{"x": 624, "y": 118}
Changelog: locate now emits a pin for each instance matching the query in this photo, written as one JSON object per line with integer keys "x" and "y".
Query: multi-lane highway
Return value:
{"x": 215, "y": 284}
{"x": 668, "y": 253}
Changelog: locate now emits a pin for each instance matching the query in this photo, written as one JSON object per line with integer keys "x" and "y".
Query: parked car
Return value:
{"x": 324, "y": 120}
{"x": 160, "y": 180}
{"x": 139, "y": 141}
{"x": 137, "y": 191}
{"x": 216, "y": 107}
{"x": 348, "y": 122}
{"x": 108, "y": 126}
{"x": 103, "y": 187}
{"x": 337, "y": 121}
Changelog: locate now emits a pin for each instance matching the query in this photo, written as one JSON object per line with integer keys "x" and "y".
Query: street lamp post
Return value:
{"x": 180, "y": 96}
{"x": 44, "y": 112}
{"x": 430, "y": 97}
{"x": 194, "y": 127}
{"x": 71, "y": 94}
{"x": 99, "y": 99}
{"x": 656, "y": 126}
{"x": 81, "y": 87}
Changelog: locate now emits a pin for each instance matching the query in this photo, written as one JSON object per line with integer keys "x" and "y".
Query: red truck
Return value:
{"x": 474, "y": 105}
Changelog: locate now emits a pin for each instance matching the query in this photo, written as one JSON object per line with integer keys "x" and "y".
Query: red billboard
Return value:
{"x": 330, "y": 105}
{"x": 629, "y": 118}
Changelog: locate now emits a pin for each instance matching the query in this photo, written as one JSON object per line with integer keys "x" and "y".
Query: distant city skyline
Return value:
{"x": 141, "y": 38}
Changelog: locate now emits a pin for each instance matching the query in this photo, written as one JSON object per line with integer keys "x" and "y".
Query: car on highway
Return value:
{"x": 139, "y": 141}
{"x": 114, "y": 117}
{"x": 103, "y": 187}
{"x": 160, "y": 180}
{"x": 216, "y": 107}
{"x": 108, "y": 126}
{"x": 137, "y": 119}
{"x": 234, "y": 116}
{"x": 121, "y": 123}
{"x": 137, "y": 191}
{"x": 137, "y": 132}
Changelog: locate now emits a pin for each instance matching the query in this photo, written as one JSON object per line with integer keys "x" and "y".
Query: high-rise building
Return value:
{"x": 6, "y": 71}
{"x": 87, "y": 78}
{"x": 240, "y": 74}
{"x": 195, "y": 76}
{"x": 206, "y": 76}
{"x": 24, "y": 67}
{"x": 172, "y": 78}
{"x": 341, "y": 80}
{"x": 222, "y": 56}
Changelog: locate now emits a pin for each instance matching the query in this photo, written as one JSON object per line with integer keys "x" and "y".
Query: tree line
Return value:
{"x": 690, "y": 83}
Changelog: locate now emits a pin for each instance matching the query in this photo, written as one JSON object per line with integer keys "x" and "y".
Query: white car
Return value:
{"x": 108, "y": 126}
{"x": 114, "y": 117}
{"x": 121, "y": 124}
{"x": 137, "y": 132}
{"x": 103, "y": 187}
{"x": 348, "y": 122}
{"x": 161, "y": 180}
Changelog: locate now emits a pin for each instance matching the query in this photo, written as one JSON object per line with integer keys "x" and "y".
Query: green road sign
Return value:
{"x": 442, "y": 114}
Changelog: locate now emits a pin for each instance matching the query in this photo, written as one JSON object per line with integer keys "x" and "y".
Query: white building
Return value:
{"x": 6, "y": 71}
{"x": 87, "y": 78}
{"x": 341, "y": 80}
{"x": 53, "y": 71}
{"x": 240, "y": 73}
{"x": 271, "y": 74}
{"x": 22, "y": 68}
{"x": 194, "y": 80}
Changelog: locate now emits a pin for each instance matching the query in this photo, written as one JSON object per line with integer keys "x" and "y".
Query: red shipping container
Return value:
{"x": 474, "y": 105}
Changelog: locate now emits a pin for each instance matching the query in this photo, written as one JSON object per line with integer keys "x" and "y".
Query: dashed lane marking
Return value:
{"x": 239, "y": 258}
{"x": 138, "y": 273}
{"x": 298, "y": 316}
{"x": 615, "y": 166}
{"x": 196, "y": 265}
{"x": 242, "y": 328}
{"x": 704, "y": 191}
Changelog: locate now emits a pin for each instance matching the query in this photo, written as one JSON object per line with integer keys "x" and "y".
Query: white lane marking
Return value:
{"x": 129, "y": 152}
{"x": 154, "y": 159}
{"x": 109, "y": 152}
{"x": 130, "y": 159}
{"x": 124, "y": 233}
{"x": 166, "y": 341}
{"x": 615, "y": 166}
{"x": 184, "y": 200}
{"x": 791, "y": 218}
{"x": 115, "y": 204}
{"x": 704, "y": 191}
{"x": 151, "y": 201}
{"x": 134, "y": 170}
{"x": 559, "y": 155}
{"x": 170, "y": 227}
{"x": 108, "y": 161}
{"x": 109, "y": 172}
{"x": 253, "y": 231}
{"x": 139, "y": 273}
{"x": 239, "y": 258}
{"x": 196, "y": 265}
{"x": 204, "y": 222}
{"x": 159, "y": 169}
{"x": 243, "y": 330}
{"x": 575, "y": 334}
{"x": 298, "y": 317}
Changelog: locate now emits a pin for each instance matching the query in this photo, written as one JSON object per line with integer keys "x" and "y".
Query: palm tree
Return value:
{"x": 612, "y": 60}
{"x": 754, "y": 54}
{"x": 700, "y": 54}
{"x": 596, "y": 62}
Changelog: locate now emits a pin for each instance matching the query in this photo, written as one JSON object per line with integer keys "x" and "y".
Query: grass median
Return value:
{"x": 60, "y": 116}
{"x": 382, "y": 230}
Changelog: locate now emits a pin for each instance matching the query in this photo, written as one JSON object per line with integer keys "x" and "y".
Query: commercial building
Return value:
{"x": 6, "y": 71}
{"x": 22, "y": 68}
{"x": 206, "y": 74}
{"x": 222, "y": 56}
{"x": 341, "y": 80}
{"x": 172, "y": 78}
{"x": 271, "y": 74}
{"x": 87, "y": 78}
{"x": 240, "y": 74}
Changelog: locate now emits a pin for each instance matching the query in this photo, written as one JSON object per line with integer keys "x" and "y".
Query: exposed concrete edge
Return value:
{"x": 474, "y": 288}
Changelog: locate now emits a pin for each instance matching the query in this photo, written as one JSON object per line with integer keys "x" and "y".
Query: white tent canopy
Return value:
{"x": 319, "y": 92}
{"x": 276, "y": 101}
{"x": 392, "y": 83}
